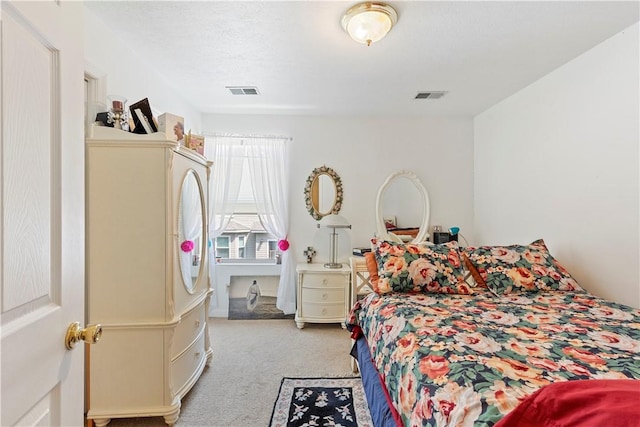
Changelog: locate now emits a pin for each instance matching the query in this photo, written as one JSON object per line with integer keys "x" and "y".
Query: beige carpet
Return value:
{"x": 250, "y": 357}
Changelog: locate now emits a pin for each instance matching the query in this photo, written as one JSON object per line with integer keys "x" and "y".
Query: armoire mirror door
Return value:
{"x": 191, "y": 239}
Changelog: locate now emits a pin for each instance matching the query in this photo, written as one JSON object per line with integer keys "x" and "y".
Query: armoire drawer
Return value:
{"x": 187, "y": 330}
{"x": 185, "y": 365}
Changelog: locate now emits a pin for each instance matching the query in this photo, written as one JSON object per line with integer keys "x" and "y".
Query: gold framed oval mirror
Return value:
{"x": 323, "y": 192}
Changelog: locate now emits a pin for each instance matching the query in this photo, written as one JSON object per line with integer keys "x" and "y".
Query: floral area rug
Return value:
{"x": 311, "y": 402}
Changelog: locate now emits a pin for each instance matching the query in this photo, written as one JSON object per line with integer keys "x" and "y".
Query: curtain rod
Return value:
{"x": 286, "y": 138}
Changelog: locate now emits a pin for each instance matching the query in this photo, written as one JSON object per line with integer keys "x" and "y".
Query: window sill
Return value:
{"x": 224, "y": 271}
{"x": 240, "y": 264}
{"x": 236, "y": 261}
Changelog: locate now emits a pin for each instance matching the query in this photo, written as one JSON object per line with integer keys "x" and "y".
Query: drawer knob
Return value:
{"x": 324, "y": 296}
{"x": 324, "y": 311}
{"x": 197, "y": 323}
{"x": 197, "y": 355}
{"x": 324, "y": 281}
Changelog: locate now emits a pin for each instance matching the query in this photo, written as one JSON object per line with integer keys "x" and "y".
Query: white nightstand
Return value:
{"x": 324, "y": 294}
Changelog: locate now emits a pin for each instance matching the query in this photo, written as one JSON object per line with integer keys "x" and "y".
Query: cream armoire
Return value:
{"x": 147, "y": 273}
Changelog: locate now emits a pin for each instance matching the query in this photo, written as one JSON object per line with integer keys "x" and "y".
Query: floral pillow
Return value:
{"x": 413, "y": 268}
{"x": 517, "y": 268}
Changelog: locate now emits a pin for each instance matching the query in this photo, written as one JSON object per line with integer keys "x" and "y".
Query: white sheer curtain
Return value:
{"x": 268, "y": 164}
{"x": 227, "y": 155}
{"x": 191, "y": 223}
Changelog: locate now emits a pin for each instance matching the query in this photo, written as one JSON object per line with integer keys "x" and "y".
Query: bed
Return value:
{"x": 463, "y": 336}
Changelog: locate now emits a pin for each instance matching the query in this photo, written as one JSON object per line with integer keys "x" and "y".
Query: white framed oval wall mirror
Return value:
{"x": 323, "y": 192}
{"x": 191, "y": 242}
{"x": 403, "y": 209}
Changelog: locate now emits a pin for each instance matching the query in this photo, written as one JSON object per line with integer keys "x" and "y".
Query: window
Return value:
{"x": 241, "y": 253}
{"x": 237, "y": 157}
{"x": 250, "y": 240}
{"x": 222, "y": 247}
{"x": 272, "y": 248}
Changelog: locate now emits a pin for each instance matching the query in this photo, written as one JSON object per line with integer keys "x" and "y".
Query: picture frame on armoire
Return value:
{"x": 143, "y": 117}
{"x": 195, "y": 142}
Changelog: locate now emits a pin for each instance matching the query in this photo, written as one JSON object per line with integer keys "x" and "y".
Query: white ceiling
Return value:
{"x": 302, "y": 61}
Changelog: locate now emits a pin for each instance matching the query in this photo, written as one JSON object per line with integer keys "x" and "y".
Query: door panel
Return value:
{"x": 28, "y": 177}
{"x": 40, "y": 414}
{"x": 42, "y": 228}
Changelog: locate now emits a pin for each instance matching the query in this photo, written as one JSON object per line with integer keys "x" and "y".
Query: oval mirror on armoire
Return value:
{"x": 191, "y": 230}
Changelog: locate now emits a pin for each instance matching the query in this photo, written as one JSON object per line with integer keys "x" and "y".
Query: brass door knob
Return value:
{"x": 91, "y": 334}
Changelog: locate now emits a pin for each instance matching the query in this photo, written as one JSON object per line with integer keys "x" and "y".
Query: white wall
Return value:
{"x": 560, "y": 159}
{"x": 107, "y": 56}
{"x": 364, "y": 151}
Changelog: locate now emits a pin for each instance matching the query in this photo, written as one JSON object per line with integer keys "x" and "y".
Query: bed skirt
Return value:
{"x": 382, "y": 412}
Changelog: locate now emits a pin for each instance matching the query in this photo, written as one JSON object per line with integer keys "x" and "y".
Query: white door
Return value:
{"x": 42, "y": 228}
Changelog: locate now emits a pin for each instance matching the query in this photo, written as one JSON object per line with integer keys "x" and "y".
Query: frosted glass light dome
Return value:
{"x": 369, "y": 22}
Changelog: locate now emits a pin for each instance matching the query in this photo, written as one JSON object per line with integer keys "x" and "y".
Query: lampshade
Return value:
{"x": 369, "y": 22}
{"x": 333, "y": 221}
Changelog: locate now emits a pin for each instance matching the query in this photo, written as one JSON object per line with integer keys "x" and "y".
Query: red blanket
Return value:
{"x": 579, "y": 403}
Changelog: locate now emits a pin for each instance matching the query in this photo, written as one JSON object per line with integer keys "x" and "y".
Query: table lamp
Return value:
{"x": 455, "y": 231}
{"x": 333, "y": 222}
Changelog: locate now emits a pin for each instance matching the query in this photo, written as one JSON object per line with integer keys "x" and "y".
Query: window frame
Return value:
{"x": 227, "y": 248}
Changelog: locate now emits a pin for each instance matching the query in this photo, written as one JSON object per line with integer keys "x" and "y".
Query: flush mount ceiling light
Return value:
{"x": 369, "y": 22}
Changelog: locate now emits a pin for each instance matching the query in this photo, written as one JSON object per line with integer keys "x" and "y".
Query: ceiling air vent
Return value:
{"x": 243, "y": 90}
{"x": 436, "y": 94}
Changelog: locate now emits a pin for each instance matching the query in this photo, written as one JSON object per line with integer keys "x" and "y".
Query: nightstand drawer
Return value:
{"x": 323, "y": 310}
{"x": 324, "y": 281}
{"x": 330, "y": 295}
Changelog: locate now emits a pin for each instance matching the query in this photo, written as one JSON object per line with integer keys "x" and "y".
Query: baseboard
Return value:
{"x": 219, "y": 312}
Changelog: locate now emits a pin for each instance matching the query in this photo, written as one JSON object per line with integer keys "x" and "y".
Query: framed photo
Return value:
{"x": 142, "y": 117}
{"x": 195, "y": 143}
{"x": 172, "y": 126}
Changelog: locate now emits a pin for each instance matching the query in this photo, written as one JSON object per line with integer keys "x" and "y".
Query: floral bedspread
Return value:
{"x": 467, "y": 360}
